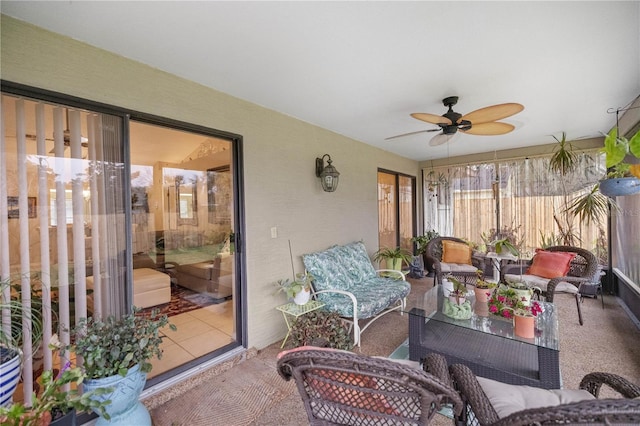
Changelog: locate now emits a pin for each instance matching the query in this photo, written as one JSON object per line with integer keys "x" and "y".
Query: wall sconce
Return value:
{"x": 328, "y": 175}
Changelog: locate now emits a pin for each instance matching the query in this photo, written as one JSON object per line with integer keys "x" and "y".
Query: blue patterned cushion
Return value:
{"x": 356, "y": 262}
{"x": 373, "y": 297}
{"x": 326, "y": 269}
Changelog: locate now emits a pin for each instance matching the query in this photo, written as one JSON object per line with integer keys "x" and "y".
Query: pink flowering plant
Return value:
{"x": 506, "y": 303}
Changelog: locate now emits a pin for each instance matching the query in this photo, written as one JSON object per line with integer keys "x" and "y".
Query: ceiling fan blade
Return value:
{"x": 431, "y": 118}
{"x": 411, "y": 133}
{"x": 493, "y": 113}
{"x": 492, "y": 128}
{"x": 442, "y": 138}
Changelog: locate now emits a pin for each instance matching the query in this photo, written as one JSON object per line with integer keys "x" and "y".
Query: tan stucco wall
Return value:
{"x": 280, "y": 186}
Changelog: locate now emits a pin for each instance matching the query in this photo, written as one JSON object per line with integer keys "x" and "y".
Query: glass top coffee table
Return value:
{"x": 486, "y": 343}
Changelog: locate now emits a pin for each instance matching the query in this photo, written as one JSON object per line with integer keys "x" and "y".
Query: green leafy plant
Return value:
{"x": 320, "y": 328}
{"x": 504, "y": 245}
{"x": 114, "y": 345}
{"x": 505, "y": 302}
{"x": 459, "y": 288}
{"x": 386, "y": 253}
{"x": 13, "y": 309}
{"x": 616, "y": 149}
{"x": 481, "y": 283}
{"x": 422, "y": 240}
{"x": 53, "y": 399}
{"x": 292, "y": 288}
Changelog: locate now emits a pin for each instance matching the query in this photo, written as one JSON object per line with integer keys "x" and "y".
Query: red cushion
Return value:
{"x": 551, "y": 264}
{"x": 340, "y": 393}
{"x": 351, "y": 391}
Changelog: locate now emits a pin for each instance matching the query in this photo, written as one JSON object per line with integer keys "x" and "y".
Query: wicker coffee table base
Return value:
{"x": 493, "y": 357}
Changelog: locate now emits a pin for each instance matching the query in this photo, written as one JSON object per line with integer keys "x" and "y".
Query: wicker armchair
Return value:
{"x": 583, "y": 269}
{"x": 479, "y": 410}
{"x": 465, "y": 273}
{"x": 340, "y": 387}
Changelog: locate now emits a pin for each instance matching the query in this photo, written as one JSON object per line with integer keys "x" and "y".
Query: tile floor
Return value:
{"x": 198, "y": 333}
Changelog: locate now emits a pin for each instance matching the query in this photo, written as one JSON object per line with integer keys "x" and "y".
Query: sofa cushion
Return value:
{"x": 541, "y": 283}
{"x": 356, "y": 262}
{"x": 373, "y": 297}
{"x": 456, "y": 267}
{"x": 507, "y": 399}
{"x": 455, "y": 252}
{"x": 551, "y": 264}
{"x": 202, "y": 270}
{"x": 327, "y": 270}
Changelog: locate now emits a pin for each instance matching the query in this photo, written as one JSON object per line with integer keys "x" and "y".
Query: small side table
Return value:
{"x": 293, "y": 310}
{"x": 496, "y": 260}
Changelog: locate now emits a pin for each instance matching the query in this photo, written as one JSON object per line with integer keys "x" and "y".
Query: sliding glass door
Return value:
{"x": 396, "y": 207}
{"x": 100, "y": 214}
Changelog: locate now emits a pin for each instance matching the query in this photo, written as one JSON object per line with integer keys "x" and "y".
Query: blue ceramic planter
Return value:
{"x": 125, "y": 408}
{"x": 9, "y": 374}
{"x": 620, "y": 186}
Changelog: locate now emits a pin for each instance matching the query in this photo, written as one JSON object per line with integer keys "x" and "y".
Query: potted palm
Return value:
{"x": 394, "y": 257}
{"x": 12, "y": 338}
{"x": 117, "y": 354}
{"x": 622, "y": 158}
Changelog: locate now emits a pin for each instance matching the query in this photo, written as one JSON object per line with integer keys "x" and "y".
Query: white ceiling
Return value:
{"x": 360, "y": 68}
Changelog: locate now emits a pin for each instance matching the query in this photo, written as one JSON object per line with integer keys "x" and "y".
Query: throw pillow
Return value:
{"x": 551, "y": 264}
{"x": 454, "y": 252}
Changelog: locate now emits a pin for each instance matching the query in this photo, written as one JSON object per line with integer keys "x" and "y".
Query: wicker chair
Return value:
{"x": 340, "y": 387}
{"x": 583, "y": 270}
{"x": 465, "y": 273}
{"x": 478, "y": 409}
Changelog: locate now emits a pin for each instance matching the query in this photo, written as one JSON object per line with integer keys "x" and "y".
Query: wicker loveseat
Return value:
{"x": 346, "y": 282}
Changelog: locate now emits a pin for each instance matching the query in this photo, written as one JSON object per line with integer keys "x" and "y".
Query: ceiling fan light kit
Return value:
{"x": 483, "y": 121}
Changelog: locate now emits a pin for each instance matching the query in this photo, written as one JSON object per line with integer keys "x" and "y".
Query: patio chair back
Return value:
{"x": 340, "y": 387}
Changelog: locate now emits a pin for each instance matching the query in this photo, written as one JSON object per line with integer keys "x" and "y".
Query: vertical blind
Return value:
{"x": 47, "y": 151}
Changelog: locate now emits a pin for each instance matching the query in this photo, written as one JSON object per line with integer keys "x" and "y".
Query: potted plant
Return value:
{"x": 11, "y": 339}
{"x": 116, "y": 353}
{"x": 504, "y": 246}
{"x": 483, "y": 288}
{"x": 622, "y": 158}
{"x": 459, "y": 293}
{"x": 299, "y": 289}
{"x": 421, "y": 242}
{"x": 54, "y": 404}
{"x": 393, "y": 257}
{"x": 321, "y": 328}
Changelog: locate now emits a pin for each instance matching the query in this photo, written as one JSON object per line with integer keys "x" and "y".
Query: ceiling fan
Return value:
{"x": 482, "y": 121}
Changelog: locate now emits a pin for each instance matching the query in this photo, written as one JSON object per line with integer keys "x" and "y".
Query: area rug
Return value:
{"x": 182, "y": 300}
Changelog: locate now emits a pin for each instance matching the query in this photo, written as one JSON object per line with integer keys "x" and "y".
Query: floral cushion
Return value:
{"x": 349, "y": 268}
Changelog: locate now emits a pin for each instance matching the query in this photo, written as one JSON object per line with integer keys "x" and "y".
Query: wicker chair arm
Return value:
{"x": 436, "y": 365}
{"x": 467, "y": 385}
{"x": 553, "y": 283}
{"x": 599, "y": 411}
{"x": 514, "y": 269}
{"x": 593, "y": 382}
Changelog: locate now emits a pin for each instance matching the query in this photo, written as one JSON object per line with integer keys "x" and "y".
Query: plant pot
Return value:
{"x": 125, "y": 409}
{"x": 395, "y": 264}
{"x": 9, "y": 373}
{"x": 459, "y": 301}
{"x": 620, "y": 186}
{"x": 302, "y": 297}
{"x": 67, "y": 419}
{"x": 482, "y": 295}
{"x": 524, "y": 326}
